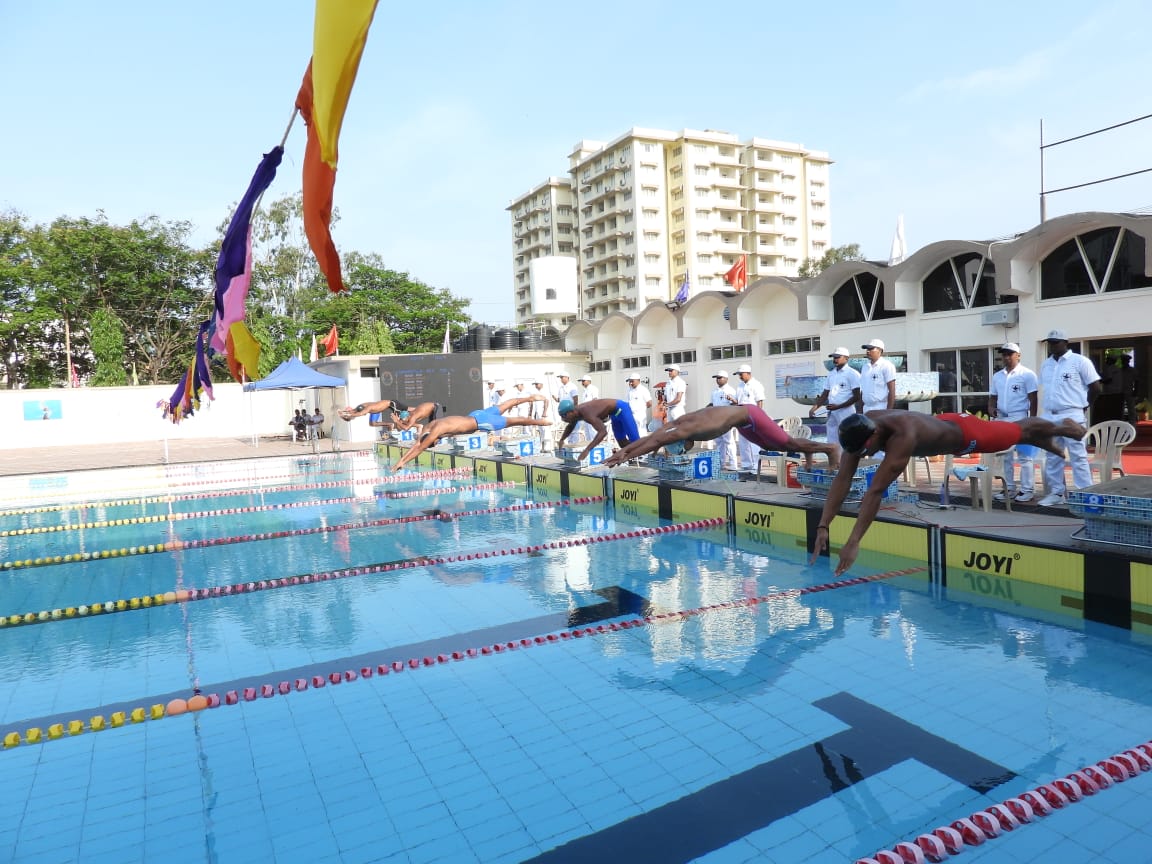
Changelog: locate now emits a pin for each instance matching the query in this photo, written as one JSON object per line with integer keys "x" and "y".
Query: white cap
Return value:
{"x": 538, "y": 380}
{"x": 1009, "y": 348}
{"x": 841, "y": 352}
{"x": 743, "y": 369}
{"x": 873, "y": 343}
{"x": 1056, "y": 336}
{"x": 633, "y": 377}
{"x": 672, "y": 367}
{"x": 584, "y": 378}
{"x": 723, "y": 373}
{"x": 562, "y": 374}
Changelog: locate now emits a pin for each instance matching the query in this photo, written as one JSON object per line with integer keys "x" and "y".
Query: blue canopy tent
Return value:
{"x": 292, "y": 374}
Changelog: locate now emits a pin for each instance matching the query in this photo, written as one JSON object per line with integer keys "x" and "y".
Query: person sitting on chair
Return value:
{"x": 901, "y": 435}
{"x": 487, "y": 419}
{"x": 749, "y": 421}
{"x": 594, "y": 413}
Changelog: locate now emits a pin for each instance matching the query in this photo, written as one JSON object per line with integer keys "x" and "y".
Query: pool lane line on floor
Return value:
{"x": 179, "y": 594}
{"x": 991, "y": 822}
{"x": 183, "y": 516}
{"x": 255, "y": 687}
{"x": 386, "y": 480}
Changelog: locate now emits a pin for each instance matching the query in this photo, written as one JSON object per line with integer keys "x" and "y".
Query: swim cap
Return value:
{"x": 855, "y": 430}
{"x": 565, "y": 406}
{"x": 403, "y": 415}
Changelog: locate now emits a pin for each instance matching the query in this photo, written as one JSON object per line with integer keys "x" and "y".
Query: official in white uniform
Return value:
{"x": 639, "y": 400}
{"x": 749, "y": 391}
{"x": 724, "y": 396}
{"x": 1069, "y": 384}
{"x": 675, "y": 392}
{"x": 841, "y": 394}
{"x": 877, "y": 379}
{"x": 1014, "y": 397}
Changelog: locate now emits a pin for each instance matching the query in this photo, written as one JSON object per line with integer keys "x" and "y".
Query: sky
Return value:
{"x": 932, "y": 111}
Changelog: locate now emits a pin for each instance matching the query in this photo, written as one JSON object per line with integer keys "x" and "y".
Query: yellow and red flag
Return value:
{"x": 339, "y": 34}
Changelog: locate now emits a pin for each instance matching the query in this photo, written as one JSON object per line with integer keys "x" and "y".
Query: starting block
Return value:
{"x": 571, "y": 456}
{"x": 517, "y": 448}
{"x": 468, "y": 443}
{"x": 405, "y": 436}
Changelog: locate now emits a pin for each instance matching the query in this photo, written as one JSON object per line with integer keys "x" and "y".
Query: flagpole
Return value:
{"x": 291, "y": 121}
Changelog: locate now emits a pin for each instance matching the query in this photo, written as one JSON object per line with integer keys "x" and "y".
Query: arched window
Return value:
{"x": 860, "y": 299}
{"x": 962, "y": 282}
{"x": 1104, "y": 260}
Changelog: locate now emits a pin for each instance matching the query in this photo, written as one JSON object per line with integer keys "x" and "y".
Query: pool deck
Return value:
{"x": 1049, "y": 526}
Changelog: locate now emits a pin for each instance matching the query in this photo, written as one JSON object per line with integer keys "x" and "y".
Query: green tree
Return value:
{"x": 21, "y": 320}
{"x": 815, "y": 266}
{"x": 106, "y": 341}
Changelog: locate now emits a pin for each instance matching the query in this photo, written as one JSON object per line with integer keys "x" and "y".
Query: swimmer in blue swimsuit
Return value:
{"x": 488, "y": 420}
{"x": 594, "y": 413}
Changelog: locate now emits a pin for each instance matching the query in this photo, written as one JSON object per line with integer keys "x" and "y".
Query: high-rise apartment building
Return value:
{"x": 645, "y": 212}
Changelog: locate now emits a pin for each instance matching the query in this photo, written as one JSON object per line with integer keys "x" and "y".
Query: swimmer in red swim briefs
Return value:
{"x": 901, "y": 435}
{"x": 748, "y": 420}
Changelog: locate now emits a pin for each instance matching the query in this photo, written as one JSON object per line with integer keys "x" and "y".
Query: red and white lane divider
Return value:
{"x": 180, "y": 594}
{"x": 389, "y": 479}
{"x": 1013, "y": 813}
{"x": 199, "y": 701}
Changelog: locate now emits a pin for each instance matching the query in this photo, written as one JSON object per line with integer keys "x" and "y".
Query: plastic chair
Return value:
{"x": 801, "y": 432}
{"x": 1107, "y": 441}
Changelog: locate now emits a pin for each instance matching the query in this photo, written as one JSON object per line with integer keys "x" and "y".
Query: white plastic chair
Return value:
{"x": 800, "y": 432}
{"x": 1107, "y": 441}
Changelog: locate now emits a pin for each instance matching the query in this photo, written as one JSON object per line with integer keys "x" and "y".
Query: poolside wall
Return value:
{"x": 1074, "y": 585}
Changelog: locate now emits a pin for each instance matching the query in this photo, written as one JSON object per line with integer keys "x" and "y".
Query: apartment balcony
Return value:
{"x": 727, "y": 183}
{"x": 720, "y": 159}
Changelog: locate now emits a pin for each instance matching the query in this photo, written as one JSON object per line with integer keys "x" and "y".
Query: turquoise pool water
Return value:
{"x": 739, "y": 716}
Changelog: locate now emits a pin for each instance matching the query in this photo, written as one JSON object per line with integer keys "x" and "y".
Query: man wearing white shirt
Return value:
{"x": 749, "y": 391}
{"x": 588, "y": 392}
{"x": 877, "y": 379}
{"x": 841, "y": 393}
{"x": 542, "y": 410}
{"x": 1014, "y": 397}
{"x": 493, "y": 395}
{"x": 564, "y": 390}
{"x": 639, "y": 400}
{"x": 675, "y": 392}
{"x": 518, "y": 392}
{"x": 723, "y": 396}
{"x": 1069, "y": 384}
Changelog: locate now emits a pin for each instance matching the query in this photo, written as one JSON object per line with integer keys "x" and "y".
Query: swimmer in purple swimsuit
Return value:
{"x": 749, "y": 421}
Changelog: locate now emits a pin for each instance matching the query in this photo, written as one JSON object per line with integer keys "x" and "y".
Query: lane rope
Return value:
{"x": 992, "y": 822}
{"x": 388, "y": 479}
{"x": 180, "y": 594}
{"x": 199, "y": 701}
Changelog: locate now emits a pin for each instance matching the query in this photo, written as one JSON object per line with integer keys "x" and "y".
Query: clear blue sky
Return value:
{"x": 929, "y": 110}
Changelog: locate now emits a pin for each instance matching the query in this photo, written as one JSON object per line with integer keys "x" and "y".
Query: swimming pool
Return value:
{"x": 447, "y": 670}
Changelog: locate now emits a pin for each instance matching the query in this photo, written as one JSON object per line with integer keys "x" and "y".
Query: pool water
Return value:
{"x": 461, "y": 685}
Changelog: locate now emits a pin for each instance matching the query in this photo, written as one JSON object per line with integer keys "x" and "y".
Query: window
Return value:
{"x": 678, "y": 357}
{"x": 549, "y": 293}
{"x": 965, "y": 378}
{"x": 651, "y": 236}
{"x": 701, "y": 170}
{"x": 961, "y": 282}
{"x": 704, "y": 259}
{"x": 860, "y": 299}
{"x": 1102, "y": 261}
{"x": 601, "y": 366}
{"x": 636, "y": 362}
{"x": 651, "y": 214}
{"x": 369, "y": 372}
{"x": 730, "y": 352}
{"x": 801, "y": 345}
{"x": 651, "y": 257}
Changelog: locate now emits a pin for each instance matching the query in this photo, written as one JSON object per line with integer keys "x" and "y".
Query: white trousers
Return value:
{"x": 726, "y": 444}
{"x": 1023, "y": 455}
{"x": 1077, "y": 455}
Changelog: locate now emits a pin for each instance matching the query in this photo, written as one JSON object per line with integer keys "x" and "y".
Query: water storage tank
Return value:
{"x": 505, "y": 340}
{"x": 481, "y": 337}
{"x": 467, "y": 342}
{"x": 530, "y": 340}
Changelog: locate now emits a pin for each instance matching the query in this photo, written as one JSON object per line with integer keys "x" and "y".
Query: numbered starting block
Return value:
{"x": 690, "y": 467}
{"x": 468, "y": 443}
{"x": 571, "y": 457}
{"x": 516, "y": 448}
{"x": 405, "y": 436}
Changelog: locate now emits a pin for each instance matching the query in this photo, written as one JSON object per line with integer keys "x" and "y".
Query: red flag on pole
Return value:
{"x": 737, "y": 276}
{"x": 331, "y": 342}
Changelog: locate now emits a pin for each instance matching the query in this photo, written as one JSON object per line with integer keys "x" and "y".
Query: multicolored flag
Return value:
{"x": 339, "y": 34}
{"x": 737, "y": 275}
